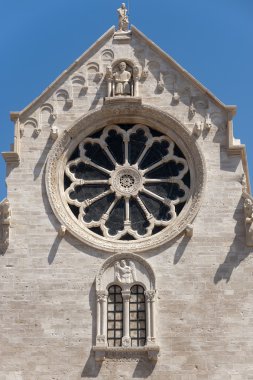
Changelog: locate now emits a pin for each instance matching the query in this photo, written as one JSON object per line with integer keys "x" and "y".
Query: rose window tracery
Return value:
{"x": 126, "y": 182}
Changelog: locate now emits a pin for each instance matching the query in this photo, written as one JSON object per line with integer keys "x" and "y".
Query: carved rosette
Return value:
{"x": 138, "y": 180}
{"x": 125, "y": 183}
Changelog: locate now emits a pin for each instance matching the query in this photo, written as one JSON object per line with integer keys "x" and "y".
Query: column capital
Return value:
{"x": 102, "y": 295}
{"x": 150, "y": 295}
{"x": 126, "y": 295}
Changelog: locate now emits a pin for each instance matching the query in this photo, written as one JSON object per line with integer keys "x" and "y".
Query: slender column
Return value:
{"x": 126, "y": 340}
{"x": 150, "y": 315}
{"x": 136, "y": 77}
{"x": 101, "y": 318}
{"x": 152, "y": 320}
{"x": 148, "y": 327}
{"x": 98, "y": 317}
{"x": 104, "y": 315}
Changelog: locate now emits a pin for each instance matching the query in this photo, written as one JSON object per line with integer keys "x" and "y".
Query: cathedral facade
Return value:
{"x": 128, "y": 226}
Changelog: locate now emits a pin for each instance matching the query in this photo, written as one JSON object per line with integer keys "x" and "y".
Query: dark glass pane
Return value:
{"x": 155, "y": 207}
{"x": 116, "y": 219}
{"x": 114, "y": 316}
{"x": 83, "y": 171}
{"x": 137, "y": 318}
{"x": 84, "y": 192}
{"x": 75, "y": 210}
{"x": 98, "y": 156}
{"x": 155, "y": 153}
{"x": 136, "y": 145}
{"x": 139, "y": 222}
{"x": 166, "y": 190}
{"x": 97, "y": 209}
{"x": 164, "y": 171}
{"x": 67, "y": 182}
{"x": 187, "y": 179}
{"x": 116, "y": 146}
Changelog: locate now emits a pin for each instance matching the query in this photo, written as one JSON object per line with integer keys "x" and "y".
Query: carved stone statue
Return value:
{"x": 248, "y": 211}
{"x": 123, "y": 18}
{"x": 122, "y": 80}
{"x": 124, "y": 273}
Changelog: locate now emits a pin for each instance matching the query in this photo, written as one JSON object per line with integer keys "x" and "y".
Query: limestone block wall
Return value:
{"x": 204, "y": 282}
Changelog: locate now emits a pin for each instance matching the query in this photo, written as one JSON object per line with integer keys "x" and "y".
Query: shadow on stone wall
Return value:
{"x": 238, "y": 250}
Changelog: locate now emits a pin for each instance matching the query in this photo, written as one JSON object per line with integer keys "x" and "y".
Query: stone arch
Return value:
{"x": 148, "y": 278}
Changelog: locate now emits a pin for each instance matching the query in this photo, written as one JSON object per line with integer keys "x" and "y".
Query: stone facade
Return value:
{"x": 201, "y": 266}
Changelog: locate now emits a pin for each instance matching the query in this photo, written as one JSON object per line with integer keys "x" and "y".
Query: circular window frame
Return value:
{"x": 122, "y": 114}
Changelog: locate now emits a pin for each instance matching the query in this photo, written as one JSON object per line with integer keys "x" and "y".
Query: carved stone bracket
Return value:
{"x": 54, "y": 133}
{"x": 248, "y": 214}
{"x": 5, "y": 217}
{"x": 198, "y": 128}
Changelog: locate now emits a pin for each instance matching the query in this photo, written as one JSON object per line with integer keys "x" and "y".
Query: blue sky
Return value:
{"x": 212, "y": 39}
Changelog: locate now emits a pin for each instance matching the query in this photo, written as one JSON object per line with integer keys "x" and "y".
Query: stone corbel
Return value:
{"x": 62, "y": 231}
{"x": 175, "y": 97}
{"x": 37, "y": 131}
{"x": 145, "y": 73}
{"x": 248, "y": 215}
{"x": 54, "y": 133}
{"x": 160, "y": 84}
{"x": 5, "y": 218}
{"x": 53, "y": 116}
{"x": 198, "y": 128}
{"x": 192, "y": 111}
{"x": 208, "y": 122}
{"x": 189, "y": 230}
{"x": 69, "y": 102}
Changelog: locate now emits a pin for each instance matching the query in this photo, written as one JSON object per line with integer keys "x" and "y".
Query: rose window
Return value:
{"x": 126, "y": 182}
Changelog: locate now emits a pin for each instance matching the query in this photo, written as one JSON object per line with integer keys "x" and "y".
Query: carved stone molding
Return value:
{"x": 124, "y": 112}
{"x": 5, "y": 218}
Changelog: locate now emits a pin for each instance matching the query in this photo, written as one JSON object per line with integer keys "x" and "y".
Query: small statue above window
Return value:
{"x": 122, "y": 80}
{"x": 125, "y": 273}
{"x": 123, "y": 18}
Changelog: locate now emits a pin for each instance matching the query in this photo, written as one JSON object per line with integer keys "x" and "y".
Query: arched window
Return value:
{"x": 137, "y": 316}
{"x": 114, "y": 316}
{"x": 126, "y": 298}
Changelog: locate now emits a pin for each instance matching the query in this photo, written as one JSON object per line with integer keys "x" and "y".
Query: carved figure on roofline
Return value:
{"x": 248, "y": 211}
{"x": 123, "y": 18}
{"x": 122, "y": 80}
{"x": 126, "y": 274}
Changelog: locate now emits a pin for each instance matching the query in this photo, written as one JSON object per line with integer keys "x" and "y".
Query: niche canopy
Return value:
{"x": 130, "y": 183}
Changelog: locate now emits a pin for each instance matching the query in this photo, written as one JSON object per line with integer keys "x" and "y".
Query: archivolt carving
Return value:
{"x": 107, "y": 55}
{"x": 34, "y": 124}
{"x": 130, "y": 260}
{"x": 47, "y": 115}
{"x": 5, "y": 216}
{"x": 96, "y": 120}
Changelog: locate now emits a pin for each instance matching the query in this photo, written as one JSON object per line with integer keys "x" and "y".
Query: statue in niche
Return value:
{"x": 122, "y": 80}
{"x": 124, "y": 273}
{"x": 248, "y": 211}
{"x": 123, "y": 18}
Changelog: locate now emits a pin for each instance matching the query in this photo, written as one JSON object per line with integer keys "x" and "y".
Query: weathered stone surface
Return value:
{"x": 204, "y": 286}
